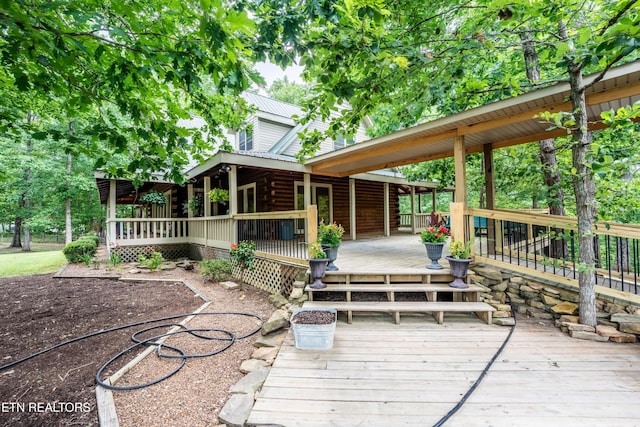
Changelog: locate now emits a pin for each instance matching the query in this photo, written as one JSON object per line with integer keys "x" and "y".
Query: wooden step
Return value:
{"x": 437, "y": 308}
{"x": 392, "y": 287}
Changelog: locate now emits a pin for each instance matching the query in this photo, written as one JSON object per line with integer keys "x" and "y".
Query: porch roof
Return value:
{"x": 501, "y": 124}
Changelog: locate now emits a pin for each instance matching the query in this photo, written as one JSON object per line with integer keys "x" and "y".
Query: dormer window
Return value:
{"x": 341, "y": 141}
{"x": 245, "y": 140}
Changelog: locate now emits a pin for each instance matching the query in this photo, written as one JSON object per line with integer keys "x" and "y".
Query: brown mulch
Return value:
{"x": 58, "y": 388}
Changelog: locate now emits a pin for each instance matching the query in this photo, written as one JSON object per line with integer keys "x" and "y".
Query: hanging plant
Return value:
{"x": 153, "y": 197}
{"x": 196, "y": 203}
{"x": 219, "y": 195}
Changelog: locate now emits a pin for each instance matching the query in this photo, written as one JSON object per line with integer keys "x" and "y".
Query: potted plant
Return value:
{"x": 219, "y": 195}
{"x": 314, "y": 328}
{"x": 196, "y": 203}
{"x": 317, "y": 265}
{"x": 330, "y": 236}
{"x": 459, "y": 262}
{"x": 153, "y": 198}
{"x": 434, "y": 238}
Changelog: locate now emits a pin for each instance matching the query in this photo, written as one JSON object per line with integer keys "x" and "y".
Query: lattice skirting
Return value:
{"x": 170, "y": 252}
{"x": 269, "y": 275}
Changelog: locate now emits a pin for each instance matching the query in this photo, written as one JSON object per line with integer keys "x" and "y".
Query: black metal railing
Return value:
{"x": 282, "y": 237}
{"x": 553, "y": 249}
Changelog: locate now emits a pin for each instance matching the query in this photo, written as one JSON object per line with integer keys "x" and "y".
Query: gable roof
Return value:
{"x": 272, "y": 106}
{"x": 501, "y": 124}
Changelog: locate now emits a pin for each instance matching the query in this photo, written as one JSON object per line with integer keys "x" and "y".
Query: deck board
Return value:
{"x": 382, "y": 374}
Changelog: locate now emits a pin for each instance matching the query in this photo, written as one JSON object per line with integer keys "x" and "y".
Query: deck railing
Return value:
{"x": 423, "y": 220}
{"x": 281, "y": 235}
{"x": 549, "y": 244}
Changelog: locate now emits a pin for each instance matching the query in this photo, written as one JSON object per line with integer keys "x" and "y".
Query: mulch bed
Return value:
{"x": 58, "y": 388}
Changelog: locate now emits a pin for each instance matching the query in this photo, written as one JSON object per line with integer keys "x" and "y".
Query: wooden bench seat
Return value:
{"x": 437, "y": 308}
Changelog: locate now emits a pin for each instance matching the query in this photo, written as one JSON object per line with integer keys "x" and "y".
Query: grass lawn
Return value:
{"x": 14, "y": 262}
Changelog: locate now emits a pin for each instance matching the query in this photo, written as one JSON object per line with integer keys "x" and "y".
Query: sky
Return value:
{"x": 271, "y": 72}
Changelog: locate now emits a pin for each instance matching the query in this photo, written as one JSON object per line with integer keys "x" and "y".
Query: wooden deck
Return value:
{"x": 382, "y": 374}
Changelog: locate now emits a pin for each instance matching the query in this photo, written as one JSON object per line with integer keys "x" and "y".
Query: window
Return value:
{"x": 341, "y": 141}
{"x": 245, "y": 140}
{"x": 247, "y": 198}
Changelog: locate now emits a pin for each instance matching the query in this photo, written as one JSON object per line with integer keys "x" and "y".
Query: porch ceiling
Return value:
{"x": 501, "y": 124}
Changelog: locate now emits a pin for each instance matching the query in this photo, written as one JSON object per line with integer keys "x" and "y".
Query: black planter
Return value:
{"x": 459, "y": 271}
{"x": 318, "y": 266}
{"x": 434, "y": 253}
{"x": 332, "y": 253}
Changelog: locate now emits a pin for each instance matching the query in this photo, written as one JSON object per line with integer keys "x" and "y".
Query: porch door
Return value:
{"x": 321, "y": 196}
{"x": 247, "y": 198}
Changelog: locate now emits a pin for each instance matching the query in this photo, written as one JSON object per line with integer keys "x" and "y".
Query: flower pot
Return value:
{"x": 459, "y": 271}
{"x": 434, "y": 253}
{"x": 317, "y": 267}
{"x": 332, "y": 254}
{"x": 308, "y": 336}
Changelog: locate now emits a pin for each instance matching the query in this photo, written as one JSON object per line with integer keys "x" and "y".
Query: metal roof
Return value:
{"x": 272, "y": 106}
{"x": 501, "y": 124}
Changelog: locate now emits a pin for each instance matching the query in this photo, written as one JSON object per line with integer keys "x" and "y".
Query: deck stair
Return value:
{"x": 440, "y": 297}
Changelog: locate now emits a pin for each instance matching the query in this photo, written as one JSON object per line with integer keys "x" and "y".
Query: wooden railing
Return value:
{"x": 422, "y": 220}
{"x": 548, "y": 244}
{"x": 133, "y": 231}
{"x": 282, "y": 235}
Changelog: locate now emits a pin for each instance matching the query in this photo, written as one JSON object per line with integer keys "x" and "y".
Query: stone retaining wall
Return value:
{"x": 536, "y": 298}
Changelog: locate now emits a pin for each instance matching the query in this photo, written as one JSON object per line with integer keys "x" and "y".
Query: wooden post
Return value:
{"x": 312, "y": 224}
{"x": 491, "y": 197}
{"x": 387, "y": 225}
{"x": 352, "y": 208}
{"x": 307, "y": 190}
{"x": 456, "y": 211}
{"x": 189, "y": 197}
{"x": 414, "y": 229}
{"x": 111, "y": 214}
{"x": 233, "y": 201}
{"x": 205, "y": 196}
{"x": 459, "y": 154}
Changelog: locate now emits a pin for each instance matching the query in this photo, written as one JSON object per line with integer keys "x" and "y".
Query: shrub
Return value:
{"x": 79, "y": 250}
{"x": 216, "y": 270}
{"x": 92, "y": 237}
{"x": 152, "y": 263}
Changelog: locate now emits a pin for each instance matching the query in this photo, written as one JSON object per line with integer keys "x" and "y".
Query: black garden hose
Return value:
{"x": 481, "y": 377}
{"x": 197, "y": 332}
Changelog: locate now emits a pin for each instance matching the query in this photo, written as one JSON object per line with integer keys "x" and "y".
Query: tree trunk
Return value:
{"x": 546, "y": 154}
{"x": 585, "y": 190}
{"x": 17, "y": 231}
{"x": 68, "y": 232}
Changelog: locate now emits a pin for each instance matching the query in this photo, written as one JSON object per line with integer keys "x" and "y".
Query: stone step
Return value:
{"x": 392, "y": 287}
{"x": 437, "y": 308}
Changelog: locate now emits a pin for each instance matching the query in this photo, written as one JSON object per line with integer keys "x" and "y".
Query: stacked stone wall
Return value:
{"x": 532, "y": 297}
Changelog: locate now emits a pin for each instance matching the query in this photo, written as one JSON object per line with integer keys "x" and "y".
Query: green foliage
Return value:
{"x": 196, "y": 203}
{"x": 436, "y": 234}
{"x": 291, "y": 92}
{"x": 460, "y": 250}
{"x": 243, "y": 254}
{"x": 216, "y": 270}
{"x": 316, "y": 252}
{"x": 330, "y": 234}
{"x": 152, "y": 262}
{"x": 219, "y": 195}
{"x": 154, "y": 198}
{"x": 80, "y": 250}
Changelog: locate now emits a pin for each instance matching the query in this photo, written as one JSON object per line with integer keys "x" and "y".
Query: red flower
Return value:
{"x": 234, "y": 246}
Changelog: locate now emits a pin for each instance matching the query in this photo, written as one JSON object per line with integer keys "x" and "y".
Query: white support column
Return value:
{"x": 414, "y": 229}
{"x": 189, "y": 197}
{"x": 111, "y": 214}
{"x": 458, "y": 207}
{"x": 352, "y": 208}
{"x": 307, "y": 190}
{"x": 205, "y": 196}
{"x": 233, "y": 199}
{"x": 387, "y": 222}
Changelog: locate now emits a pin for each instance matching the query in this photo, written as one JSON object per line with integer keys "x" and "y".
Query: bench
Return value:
{"x": 466, "y": 300}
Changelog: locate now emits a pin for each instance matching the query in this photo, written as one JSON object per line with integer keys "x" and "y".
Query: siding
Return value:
{"x": 270, "y": 134}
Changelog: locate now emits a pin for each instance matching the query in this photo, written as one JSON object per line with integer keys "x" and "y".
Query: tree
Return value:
{"x": 145, "y": 66}
{"x": 287, "y": 91}
{"x": 366, "y": 52}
